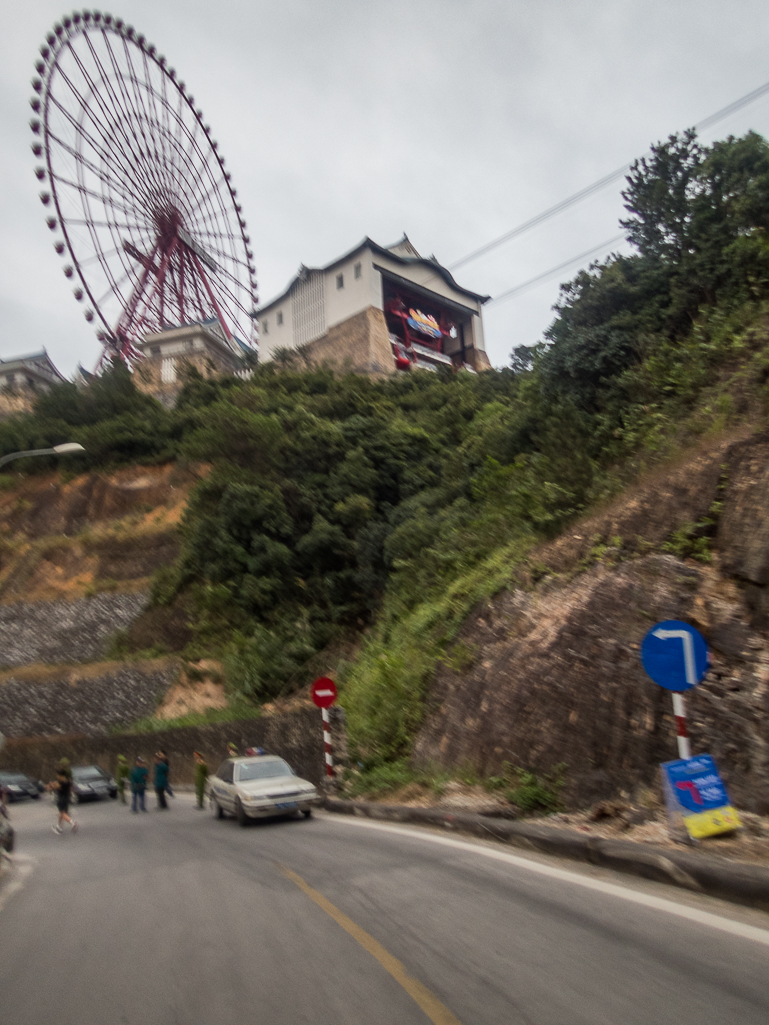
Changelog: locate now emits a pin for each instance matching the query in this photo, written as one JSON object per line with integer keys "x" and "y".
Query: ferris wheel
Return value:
{"x": 137, "y": 192}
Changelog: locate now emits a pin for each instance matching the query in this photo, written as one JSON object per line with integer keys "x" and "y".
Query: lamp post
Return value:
{"x": 67, "y": 449}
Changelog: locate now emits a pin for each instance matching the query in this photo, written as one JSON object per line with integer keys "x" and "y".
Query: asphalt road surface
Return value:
{"x": 173, "y": 918}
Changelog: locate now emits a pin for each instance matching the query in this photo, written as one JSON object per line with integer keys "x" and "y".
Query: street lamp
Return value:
{"x": 67, "y": 449}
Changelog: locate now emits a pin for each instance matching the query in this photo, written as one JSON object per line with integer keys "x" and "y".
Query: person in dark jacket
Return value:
{"x": 161, "y": 781}
{"x": 138, "y": 777}
{"x": 164, "y": 758}
{"x": 62, "y": 787}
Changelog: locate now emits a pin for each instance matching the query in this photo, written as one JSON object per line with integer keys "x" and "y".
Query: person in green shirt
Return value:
{"x": 121, "y": 776}
{"x": 201, "y": 775}
{"x": 138, "y": 777}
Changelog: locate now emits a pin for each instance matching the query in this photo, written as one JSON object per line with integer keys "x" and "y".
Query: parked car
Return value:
{"x": 17, "y": 786}
{"x": 91, "y": 783}
{"x": 260, "y": 786}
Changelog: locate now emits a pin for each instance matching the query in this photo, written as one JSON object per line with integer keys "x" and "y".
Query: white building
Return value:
{"x": 169, "y": 354}
{"x": 34, "y": 372}
{"x": 376, "y": 310}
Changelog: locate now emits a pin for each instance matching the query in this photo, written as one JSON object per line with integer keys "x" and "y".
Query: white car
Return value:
{"x": 259, "y": 786}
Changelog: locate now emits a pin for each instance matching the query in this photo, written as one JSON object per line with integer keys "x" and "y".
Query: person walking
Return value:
{"x": 62, "y": 787}
{"x": 121, "y": 776}
{"x": 164, "y": 757}
{"x": 138, "y": 777}
{"x": 161, "y": 781}
{"x": 201, "y": 775}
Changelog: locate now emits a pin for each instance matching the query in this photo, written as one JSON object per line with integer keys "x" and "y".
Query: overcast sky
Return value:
{"x": 452, "y": 121}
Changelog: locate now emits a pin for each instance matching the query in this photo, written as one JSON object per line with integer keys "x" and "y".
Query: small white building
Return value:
{"x": 169, "y": 354}
{"x": 34, "y": 372}
{"x": 23, "y": 379}
{"x": 376, "y": 310}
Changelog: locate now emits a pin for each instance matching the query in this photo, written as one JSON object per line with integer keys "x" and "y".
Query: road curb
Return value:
{"x": 738, "y": 882}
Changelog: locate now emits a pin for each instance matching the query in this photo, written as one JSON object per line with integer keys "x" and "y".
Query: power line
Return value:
{"x": 589, "y": 190}
{"x": 555, "y": 270}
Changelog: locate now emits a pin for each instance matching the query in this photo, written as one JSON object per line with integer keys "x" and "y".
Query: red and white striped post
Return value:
{"x": 324, "y": 695}
{"x": 682, "y": 733}
{"x": 327, "y": 748}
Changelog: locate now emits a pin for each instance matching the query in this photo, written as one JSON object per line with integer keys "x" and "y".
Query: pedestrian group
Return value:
{"x": 137, "y": 779}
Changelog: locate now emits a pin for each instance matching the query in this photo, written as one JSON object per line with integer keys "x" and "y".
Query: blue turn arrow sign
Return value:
{"x": 675, "y": 655}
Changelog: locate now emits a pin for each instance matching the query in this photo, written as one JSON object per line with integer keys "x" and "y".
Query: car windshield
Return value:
{"x": 12, "y": 777}
{"x": 263, "y": 769}
{"x": 87, "y": 773}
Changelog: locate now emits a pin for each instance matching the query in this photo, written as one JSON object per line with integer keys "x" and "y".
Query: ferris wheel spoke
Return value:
{"x": 90, "y": 139}
{"x": 126, "y": 159}
{"x": 223, "y": 288}
{"x": 118, "y": 122}
{"x": 87, "y": 260}
{"x": 164, "y": 129}
{"x": 115, "y": 287}
{"x": 197, "y": 170}
{"x": 80, "y": 158}
{"x": 128, "y": 105}
{"x": 82, "y": 188}
{"x": 145, "y": 120}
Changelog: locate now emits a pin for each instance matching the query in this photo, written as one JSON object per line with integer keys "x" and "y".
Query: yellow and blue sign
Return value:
{"x": 696, "y": 798}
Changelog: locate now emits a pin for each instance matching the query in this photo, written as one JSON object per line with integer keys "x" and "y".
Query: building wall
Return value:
{"x": 167, "y": 354}
{"x": 16, "y": 400}
{"x": 360, "y": 344}
{"x": 356, "y": 294}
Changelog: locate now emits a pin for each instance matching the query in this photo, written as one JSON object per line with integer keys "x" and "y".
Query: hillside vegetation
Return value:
{"x": 338, "y": 507}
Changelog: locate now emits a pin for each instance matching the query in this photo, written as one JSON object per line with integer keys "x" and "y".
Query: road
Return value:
{"x": 173, "y": 918}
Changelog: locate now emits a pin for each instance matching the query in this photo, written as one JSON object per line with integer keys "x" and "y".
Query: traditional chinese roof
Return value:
{"x": 38, "y": 363}
{"x": 402, "y": 252}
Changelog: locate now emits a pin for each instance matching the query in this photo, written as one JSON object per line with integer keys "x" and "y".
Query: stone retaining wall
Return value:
{"x": 295, "y": 736}
{"x": 64, "y": 631}
{"x": 88, "y": 699}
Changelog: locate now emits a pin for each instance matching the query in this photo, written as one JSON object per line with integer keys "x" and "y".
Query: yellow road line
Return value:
{"x": 437, "y": 1012}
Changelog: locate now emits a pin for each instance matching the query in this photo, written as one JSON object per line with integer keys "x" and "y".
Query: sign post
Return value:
{"x": 324, "y": 696}
{"x": 675, "y": 655}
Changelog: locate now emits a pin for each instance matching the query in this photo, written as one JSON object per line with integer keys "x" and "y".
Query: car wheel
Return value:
{"x": 240, "y": 814}
{"x": 216, "y": 809}
{"x": 113, "y": 794}
{"x": 307, "y": 813}
{"x": 78, "y": 799}
{"x": 35, "y": 797}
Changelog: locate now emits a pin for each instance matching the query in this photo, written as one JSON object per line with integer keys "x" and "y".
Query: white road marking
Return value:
{"x": 648, "y": 900}
{"x": 22, "y": 870}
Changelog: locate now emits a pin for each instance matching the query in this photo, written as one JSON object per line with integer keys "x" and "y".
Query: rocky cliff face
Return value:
{"x": 555, "y": 675}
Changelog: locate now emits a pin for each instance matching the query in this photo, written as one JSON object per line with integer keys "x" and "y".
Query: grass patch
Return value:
{"x": 527, "y": 790}
{"x": 237, "y": 710}
{"x": 382, "y": 692}
{"x": 385, "y": 777}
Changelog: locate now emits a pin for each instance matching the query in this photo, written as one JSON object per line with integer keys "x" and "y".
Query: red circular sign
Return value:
{"x": 324, "y": 692}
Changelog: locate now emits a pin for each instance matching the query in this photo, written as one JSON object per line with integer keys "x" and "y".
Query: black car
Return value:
{"x": 16, "y": 786}
{"x": 90, "y": 783}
